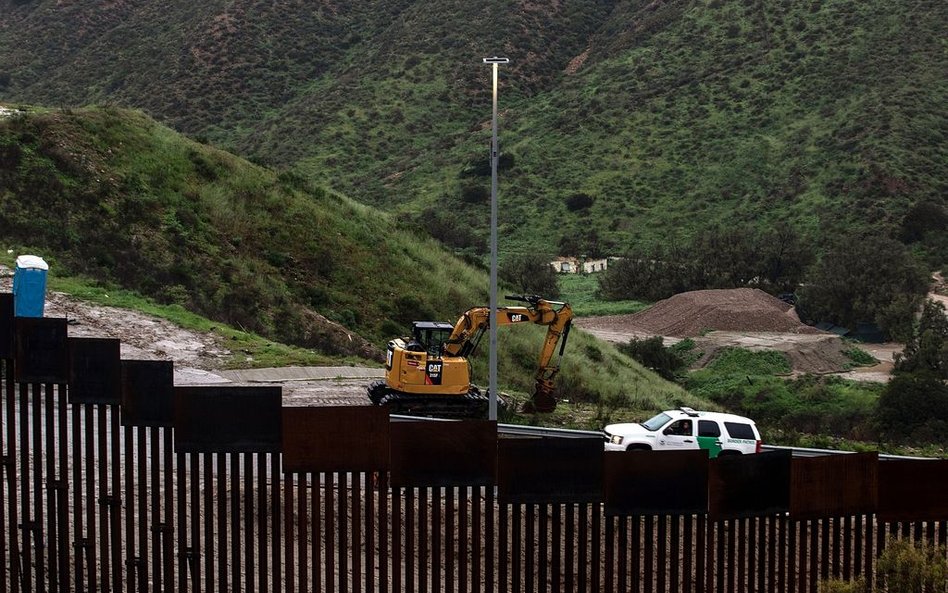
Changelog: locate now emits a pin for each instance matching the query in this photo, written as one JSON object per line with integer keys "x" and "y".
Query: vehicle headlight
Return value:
{"x": 616, "y": 439}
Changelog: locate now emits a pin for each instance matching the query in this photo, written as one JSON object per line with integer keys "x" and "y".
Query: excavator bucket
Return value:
{"x": 542, "y": 401}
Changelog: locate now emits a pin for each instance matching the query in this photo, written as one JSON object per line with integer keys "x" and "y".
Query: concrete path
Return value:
{"x": 282, "y": 374}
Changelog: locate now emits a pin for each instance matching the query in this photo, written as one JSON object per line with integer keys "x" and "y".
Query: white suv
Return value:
{"x": 719, "y": 434}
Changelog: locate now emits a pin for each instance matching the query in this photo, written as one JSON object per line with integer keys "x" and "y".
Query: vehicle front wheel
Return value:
{"x": 638, "y": 448}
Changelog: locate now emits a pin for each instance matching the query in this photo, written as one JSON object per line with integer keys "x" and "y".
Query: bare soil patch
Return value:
{"x": 691, "y": 314}
{"x": 744, "y": 318}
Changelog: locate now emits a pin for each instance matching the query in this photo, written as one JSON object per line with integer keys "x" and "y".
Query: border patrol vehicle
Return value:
{"x": 684, "y": 428}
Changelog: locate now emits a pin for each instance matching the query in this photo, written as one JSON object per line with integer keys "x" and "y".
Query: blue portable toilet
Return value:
{"x": 29, "y": 286}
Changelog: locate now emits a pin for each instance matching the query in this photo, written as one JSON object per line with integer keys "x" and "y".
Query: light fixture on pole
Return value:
{"x": 494, "y": 154}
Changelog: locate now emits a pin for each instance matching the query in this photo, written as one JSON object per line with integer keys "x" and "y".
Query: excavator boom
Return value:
{"x": 426, "y": 375}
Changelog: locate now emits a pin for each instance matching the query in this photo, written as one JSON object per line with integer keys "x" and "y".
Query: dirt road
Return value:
{"x": 198, "y": 356}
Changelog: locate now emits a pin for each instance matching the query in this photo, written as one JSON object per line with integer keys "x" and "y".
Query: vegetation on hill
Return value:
{"x": 819, "y": 115}
{"x": 113, "y": 196}
{"x": 624, "y": 123}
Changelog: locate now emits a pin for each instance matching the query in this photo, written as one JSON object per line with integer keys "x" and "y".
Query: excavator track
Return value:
{"x": 473, "y": 405}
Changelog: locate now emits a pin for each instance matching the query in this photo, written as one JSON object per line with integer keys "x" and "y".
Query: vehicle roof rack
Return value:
{"x": 688, "y": 411}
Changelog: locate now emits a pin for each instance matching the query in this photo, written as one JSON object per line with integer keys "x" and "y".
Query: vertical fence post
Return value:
{"x": 397, "y": 539}
{"x": 582, "y": 562}
{"x": 516, "y": 555}
{"x": 637, "y": 549}
{"x": 689, "y": 552}
{"x": 477, "y": 531}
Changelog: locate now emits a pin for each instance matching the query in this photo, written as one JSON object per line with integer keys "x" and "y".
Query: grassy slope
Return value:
{"x": 211, "y": 68}
{"x": 111, "y": 195}
{"x": 120, "y": 198}
{"x": 821, "y": 114}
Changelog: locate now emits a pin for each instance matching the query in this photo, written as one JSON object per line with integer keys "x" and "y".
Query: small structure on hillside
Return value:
{"x": 566, "y": 265}
{"x": 595, "y": 265}
{"x": 575, "y": 265}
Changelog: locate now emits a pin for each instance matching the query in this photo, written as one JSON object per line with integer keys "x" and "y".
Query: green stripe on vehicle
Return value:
{"x": 711, "y": 445}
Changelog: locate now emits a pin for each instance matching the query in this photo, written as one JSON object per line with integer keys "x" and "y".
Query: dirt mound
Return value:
{"x": 690, "y": 314}
{"x": 811, "y": 353}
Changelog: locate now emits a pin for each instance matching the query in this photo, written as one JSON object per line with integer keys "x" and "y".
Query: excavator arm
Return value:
{"x": 557, "y": 332}
{"x": 470, "y": 327}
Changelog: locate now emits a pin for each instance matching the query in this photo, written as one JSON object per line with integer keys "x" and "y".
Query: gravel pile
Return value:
{"x": 690, "y": 314}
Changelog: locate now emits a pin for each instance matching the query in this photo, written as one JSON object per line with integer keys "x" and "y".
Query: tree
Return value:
{"x": 914, "y": 407}
{"x": 927, "y": 351}
{"x": 861, "y": 279}
{"x": 924, "y": 218}
{"x": 728, "y": 257}
{"x": 531, "y": 274}
{"x": 914, "y": 404}
{"x": 925, "y": 228}
{"x": 646, "y": 275}
{"x": 444, "y": 228}
{"x": 785, "y": 258}
{"x": 718, "y": 257}
{"x": 569, "y": 244}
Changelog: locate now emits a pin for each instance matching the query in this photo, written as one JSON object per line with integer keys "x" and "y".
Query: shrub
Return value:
{"x": 685, "y": 349}
{"x": 652, "y": 353}
{"x": 860, "y": 357}
{"x": 914, "y": 406}
{"x": 905, "y": 566}
{"x": 409, "y": 308}
{"x": 840, "y": 586}
{"x": 475, "y": 194}
{"x": 746, "y": 362}
{"x": 923, "y": 218}
{"x": 480, "y": 166}
{"x": 443, "y": 227}
{"x": 531, "y": 274}
{"x": 579, "y": 202}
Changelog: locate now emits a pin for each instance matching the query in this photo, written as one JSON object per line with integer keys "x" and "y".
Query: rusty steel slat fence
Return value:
{"x": 113, "y": 479}
{"x": 434, "y": 549}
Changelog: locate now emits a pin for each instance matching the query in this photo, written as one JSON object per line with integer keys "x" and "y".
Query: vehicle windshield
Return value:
{"x": 656, "y": 422}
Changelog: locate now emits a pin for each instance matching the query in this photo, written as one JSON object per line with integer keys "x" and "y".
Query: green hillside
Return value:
{"x": 624, "y": 122}
{"x": 112, "y": 196}
{"x": 120, "y": 198}
{"x": 820, "y": 115}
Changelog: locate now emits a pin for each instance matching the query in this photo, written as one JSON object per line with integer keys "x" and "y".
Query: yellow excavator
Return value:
{"x": 429, "y": 372}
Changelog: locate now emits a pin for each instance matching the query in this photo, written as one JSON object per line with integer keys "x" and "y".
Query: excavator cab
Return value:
{"x": 422, "y": 379}
{"x": 429, "y": 336}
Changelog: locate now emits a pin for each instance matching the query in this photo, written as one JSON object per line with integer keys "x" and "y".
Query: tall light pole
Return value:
{"x": 494, "y": 155}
